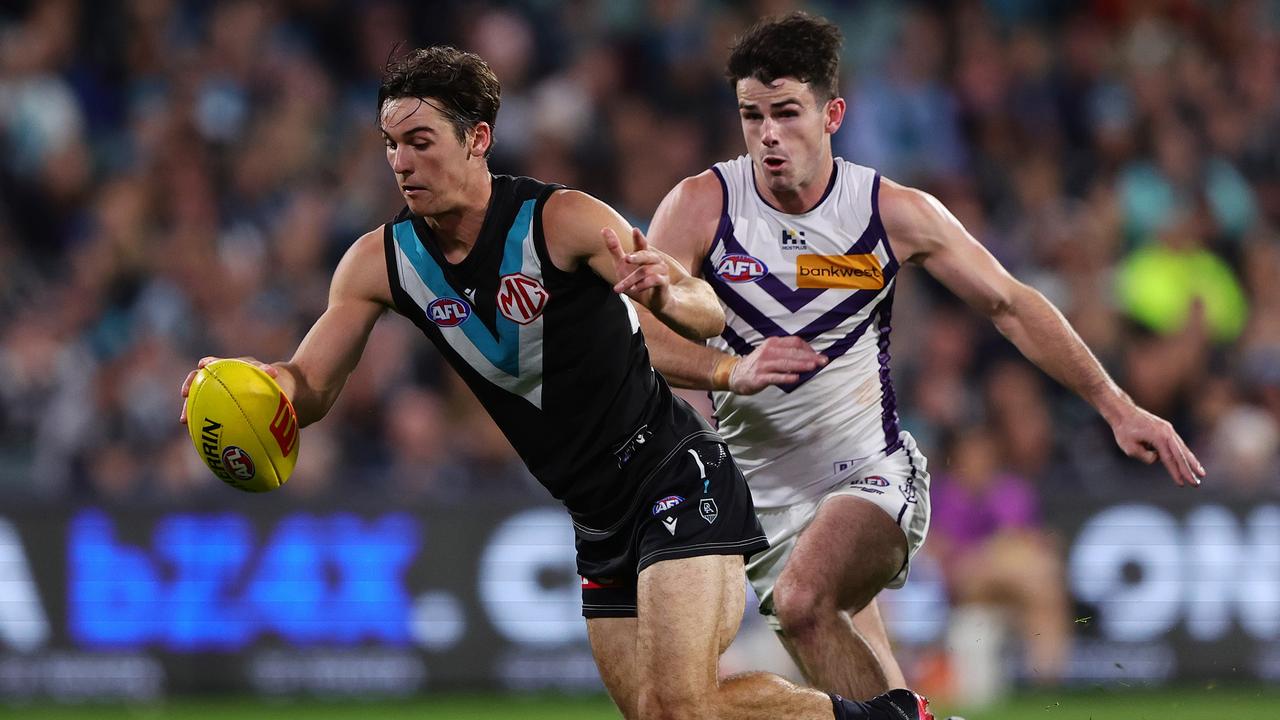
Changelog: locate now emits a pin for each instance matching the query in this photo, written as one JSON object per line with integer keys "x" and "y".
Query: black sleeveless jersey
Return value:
{"x": 556, "y": 358}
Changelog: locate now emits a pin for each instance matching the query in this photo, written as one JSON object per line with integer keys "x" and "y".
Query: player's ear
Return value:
{"x": 479, "y": 139}
{"x": 834, "y": 110}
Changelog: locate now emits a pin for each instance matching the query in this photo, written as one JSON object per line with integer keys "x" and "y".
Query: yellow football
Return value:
{"x": 242, "y": 425}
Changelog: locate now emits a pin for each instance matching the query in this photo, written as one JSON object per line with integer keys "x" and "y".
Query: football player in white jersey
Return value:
{"x": 802, "y": 249}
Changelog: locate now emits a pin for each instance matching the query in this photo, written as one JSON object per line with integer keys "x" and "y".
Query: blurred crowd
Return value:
{"x": 178, "y": 179}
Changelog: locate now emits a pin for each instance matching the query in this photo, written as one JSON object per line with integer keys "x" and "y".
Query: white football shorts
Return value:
{"x": 897, "y": 483}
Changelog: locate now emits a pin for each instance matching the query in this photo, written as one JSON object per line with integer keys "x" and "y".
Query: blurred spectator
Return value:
{"x": 987, "y": 534}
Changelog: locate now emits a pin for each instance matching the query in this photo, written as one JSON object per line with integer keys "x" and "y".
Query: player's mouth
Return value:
{"x": 411, "y": 190}
{"x": 774, "y": 163}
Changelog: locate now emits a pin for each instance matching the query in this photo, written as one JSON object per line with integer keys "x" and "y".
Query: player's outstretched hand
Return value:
{"x": 645, "y": 273}
{"x": 776, "y": 361}
{"x": 271, "y": 370}
{"x": 1149, "y": 438}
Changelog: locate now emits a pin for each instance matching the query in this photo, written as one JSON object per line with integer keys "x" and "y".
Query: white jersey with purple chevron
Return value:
{"x": 826, "y": 275}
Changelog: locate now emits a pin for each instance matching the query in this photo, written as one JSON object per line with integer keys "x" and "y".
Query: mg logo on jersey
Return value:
{"x": 448, "y": 311}
{"x": 237, "y": 462}
{"x": 739, "y": 268}
{"x": 521, "y": 298}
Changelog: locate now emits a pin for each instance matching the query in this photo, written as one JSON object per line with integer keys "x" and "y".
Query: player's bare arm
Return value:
{"x": 316, "y": 373}
{"x": 684, "y": 228}
{"x": 580, "y": 228}
{"x": 922, "y": 231}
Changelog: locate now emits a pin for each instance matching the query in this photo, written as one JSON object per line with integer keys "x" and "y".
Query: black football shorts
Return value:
{"x": 696, "y": 503}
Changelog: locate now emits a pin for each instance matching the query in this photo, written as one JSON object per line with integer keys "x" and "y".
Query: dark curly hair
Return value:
{"x": 462, "y": 85}
{"x": 798, "y": 45}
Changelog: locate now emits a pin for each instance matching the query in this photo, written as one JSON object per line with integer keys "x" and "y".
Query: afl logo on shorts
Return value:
{"x": 448, "y": 311}
{"x": 238, "y": 463}
{"x": 740, "y": 269}
{"x": 521, "y": 298}
{"x": 666, "y": 504}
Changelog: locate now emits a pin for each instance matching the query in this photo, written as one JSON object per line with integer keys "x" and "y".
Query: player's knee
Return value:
{"x": 802, "y": 607}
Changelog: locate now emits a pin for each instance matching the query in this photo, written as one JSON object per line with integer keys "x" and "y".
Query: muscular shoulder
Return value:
{"x": 571, "y": 224}
{"x": 362, "y": 272}
{"x": 685, "y": 224}
{"x": 916, "y": 223}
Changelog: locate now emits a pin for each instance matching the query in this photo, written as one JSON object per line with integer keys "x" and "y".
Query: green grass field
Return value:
{"x": 1179, "y": 704}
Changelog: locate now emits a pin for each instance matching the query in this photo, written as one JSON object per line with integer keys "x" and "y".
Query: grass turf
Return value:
{"x": 1207, "y": 703}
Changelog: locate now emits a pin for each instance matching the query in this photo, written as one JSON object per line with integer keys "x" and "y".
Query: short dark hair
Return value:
{"x": 798, "y": 45}
{"x": 461, "y": 83}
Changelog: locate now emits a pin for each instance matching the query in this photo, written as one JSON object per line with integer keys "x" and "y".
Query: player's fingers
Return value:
{"x": 645, "y": 257}
{"x": 1141, "y": 451}
{"x": 626, "y": 283}
{"x": 1172, "y": 464}
{"x": 615, "y": 246}
{"x": 1186, "y": 461}
{"x": 638, "y": 238}
{"x": 1197, "y": 468}
{"x": 778, "y": 378}
{"x": 205, "y": 360}
{"x": 186, "y": 384}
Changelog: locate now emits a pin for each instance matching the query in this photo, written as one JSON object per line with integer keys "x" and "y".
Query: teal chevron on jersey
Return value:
{"x": 504, "y": 349}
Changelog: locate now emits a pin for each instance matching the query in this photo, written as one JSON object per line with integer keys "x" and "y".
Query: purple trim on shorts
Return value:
{"x": 888, "y": 399}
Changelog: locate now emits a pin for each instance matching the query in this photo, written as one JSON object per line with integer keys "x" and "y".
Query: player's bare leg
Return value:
{"x": 663, "y": 664}
{"x": 850, "y": 551}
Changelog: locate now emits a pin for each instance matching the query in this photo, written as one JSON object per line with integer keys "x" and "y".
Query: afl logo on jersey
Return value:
{"x": 521, "y": 298}
{"x": 740, "y": 268}
{"x": 448, "y": 311}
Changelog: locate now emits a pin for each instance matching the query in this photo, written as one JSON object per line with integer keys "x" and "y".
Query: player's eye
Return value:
{"x": 750, "y": 116}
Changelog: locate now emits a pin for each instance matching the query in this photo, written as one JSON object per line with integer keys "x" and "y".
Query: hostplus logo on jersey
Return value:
{"x": 521, "y": 298}
{"x": 739, "y": 268}
{"x": 793, "y": 239}
{"x": 448, "y": 311}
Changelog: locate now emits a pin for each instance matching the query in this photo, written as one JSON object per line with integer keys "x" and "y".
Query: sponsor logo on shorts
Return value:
{"x": 666, "y": 504}
{"x": 874, "y": 480}
{"x": 237, "y": 462}
{"x": 521, "y": 298}
{"x": 871, "y": 490}
{"x": 708, "y": 510}
{"x": 448, "y": 311}
{"x": 738, "y": 268}
{"x": 852, "y": 272}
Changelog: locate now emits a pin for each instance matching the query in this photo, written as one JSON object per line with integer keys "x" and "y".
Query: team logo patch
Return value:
{"x": 851, "y": 272}
{"x": 237, "y": 462}
{"x": 666, "y": 504}
{"x": 873, "y": 480}
{"x": 521, "y": 298}
{"x": 448, "y": 311}
{"x": 708, "y": 510}
{"x": 739, "y": 268}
